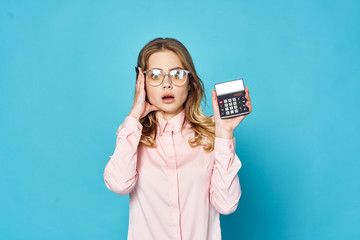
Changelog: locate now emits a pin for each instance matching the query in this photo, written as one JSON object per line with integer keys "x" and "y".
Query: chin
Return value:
{"x": 167, "y": 107}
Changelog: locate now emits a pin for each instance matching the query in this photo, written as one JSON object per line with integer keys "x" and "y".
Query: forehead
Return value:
{"x": 164, "y": 60}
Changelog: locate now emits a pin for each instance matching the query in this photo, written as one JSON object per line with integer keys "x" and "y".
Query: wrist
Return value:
{"x": 224, "y": 134}
{"x": 134, "y": 115}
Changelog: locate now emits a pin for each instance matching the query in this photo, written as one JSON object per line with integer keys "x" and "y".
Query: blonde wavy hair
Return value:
{"x": 203, "y": 125}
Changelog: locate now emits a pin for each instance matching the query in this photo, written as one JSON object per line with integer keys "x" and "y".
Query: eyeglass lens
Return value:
{"x": 155, "y": 76}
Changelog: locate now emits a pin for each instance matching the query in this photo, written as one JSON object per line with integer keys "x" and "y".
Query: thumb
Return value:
{"x": 153, "y": 108}
{"x": 215, "y": 104}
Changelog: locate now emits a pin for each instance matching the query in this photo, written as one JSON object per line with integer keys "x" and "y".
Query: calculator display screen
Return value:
{"x": 229, "y": 87}
{"x": 239, "y": 94}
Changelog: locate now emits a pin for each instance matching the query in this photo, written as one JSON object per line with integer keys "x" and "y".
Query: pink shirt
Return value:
{"x": 175, "y": 191}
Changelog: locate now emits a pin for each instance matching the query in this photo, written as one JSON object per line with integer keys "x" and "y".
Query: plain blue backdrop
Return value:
{"x": 67, "y": 80}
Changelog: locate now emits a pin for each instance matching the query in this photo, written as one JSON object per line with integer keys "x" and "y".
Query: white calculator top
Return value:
{"x": 229, "y": 87}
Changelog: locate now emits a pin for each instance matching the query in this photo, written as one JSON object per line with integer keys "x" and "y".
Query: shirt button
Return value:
{"x": 230, "y": 146}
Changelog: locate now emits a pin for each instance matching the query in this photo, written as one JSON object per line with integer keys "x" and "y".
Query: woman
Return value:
{"x": 178, "y": 165}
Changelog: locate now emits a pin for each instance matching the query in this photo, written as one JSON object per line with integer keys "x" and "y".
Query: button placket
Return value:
{"x": 173, "y": 181}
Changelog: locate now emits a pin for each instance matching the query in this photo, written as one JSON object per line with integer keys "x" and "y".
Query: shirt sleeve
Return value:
{"x": 120, "y": 174}
{"x": 225, "y": 188}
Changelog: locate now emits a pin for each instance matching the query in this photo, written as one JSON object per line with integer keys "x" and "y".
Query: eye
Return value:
{"x": 177, "y": 73}
{"x": 155, "y": 74}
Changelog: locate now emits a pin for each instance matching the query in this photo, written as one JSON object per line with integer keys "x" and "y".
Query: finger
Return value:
{"x": 215, "y": 104}
{"x": 138, "y": 79}
{"x": 248, "y": 104}
{"x": 139, "y": 74}
{"x": 153, "y": 108}
{"x": 248, "y": 99}
{"x": 142, "y": 79}
{"x": 240, "y": 118}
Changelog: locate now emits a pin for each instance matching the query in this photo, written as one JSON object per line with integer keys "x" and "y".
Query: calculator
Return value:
{"x": 231, "y": 98}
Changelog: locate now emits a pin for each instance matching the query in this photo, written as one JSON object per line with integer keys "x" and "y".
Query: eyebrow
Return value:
{"x": 169, "y": 69}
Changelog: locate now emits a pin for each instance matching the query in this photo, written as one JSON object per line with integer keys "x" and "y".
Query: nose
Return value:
{"x": 167, "y": 82}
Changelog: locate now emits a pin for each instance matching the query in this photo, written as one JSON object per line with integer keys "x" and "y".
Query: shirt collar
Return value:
{"x": 174, "y": 124}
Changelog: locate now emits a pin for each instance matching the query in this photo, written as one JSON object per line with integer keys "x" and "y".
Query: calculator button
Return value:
{"x": 234, "y": 99}
{"x": 227, "y": 109}
{"x": 227, "y": 113}
{"x": 236, "y": 111}
{"x": 226, "y": 105}
{"x": 231, "y": 111}
{"x": 235, "y": 103}
{"x": 243, "y": 101}
{"x": 231, "y": 107}
{"x": 221, "y": 102}
{"x": 225, "y": 101}
{"x": 245, "y": 108}
{"x": 230, "y": 103}
{"x": 229, "y": 99}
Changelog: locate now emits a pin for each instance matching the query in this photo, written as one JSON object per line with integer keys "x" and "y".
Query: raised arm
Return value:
{"x": 120, "y": 173}
{"x": 225, "y": 190}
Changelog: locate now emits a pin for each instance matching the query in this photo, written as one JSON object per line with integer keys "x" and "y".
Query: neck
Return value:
{"x": 167, "y": 115}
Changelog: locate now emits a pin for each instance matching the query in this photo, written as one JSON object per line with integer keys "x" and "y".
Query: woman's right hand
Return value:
{"x": 140, "y": 107}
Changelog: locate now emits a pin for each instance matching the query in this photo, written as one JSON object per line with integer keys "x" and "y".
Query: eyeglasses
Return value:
{"x": 155, "y": 77}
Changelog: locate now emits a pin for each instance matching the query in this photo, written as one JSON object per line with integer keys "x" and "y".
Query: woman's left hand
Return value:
{"x": 224, "y": 128}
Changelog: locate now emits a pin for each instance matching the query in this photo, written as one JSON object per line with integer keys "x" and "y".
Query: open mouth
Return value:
{"x": 168, "y": 97}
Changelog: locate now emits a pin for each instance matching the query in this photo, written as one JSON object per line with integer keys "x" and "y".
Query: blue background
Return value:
{"x": 67, "y": 80}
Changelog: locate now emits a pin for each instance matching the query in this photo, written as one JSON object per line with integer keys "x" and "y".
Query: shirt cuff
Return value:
{"x": 224, "y": 145}
{"x": 131, "y": 123}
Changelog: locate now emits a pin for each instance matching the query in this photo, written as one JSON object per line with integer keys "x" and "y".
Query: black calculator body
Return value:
{"x": 231, "y": 98}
